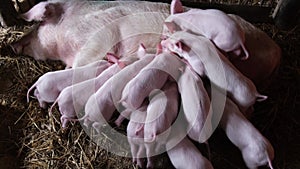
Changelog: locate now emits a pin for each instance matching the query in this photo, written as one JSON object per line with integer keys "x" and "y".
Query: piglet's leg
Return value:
{"x": 186, "y": 155}
{"x": 255, "y": 148}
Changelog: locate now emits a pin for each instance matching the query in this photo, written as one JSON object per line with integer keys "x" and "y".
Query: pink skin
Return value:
{"x": 123, "y": 115}
{"x": 240, "y": 88}
{"x": 129, "y": 73}
{"x": 196, "y": 105}
{"x": 176, "y": 7}
{"x": 135, "y": 134}
{"x": 161, "y": 113}
{"x": 100, "y": 106}
{"x": 141, "y": 86}
{"x": 256, "y": 149}
{"x": 214, "y": 24}
{"x": 48, "y": 86}
{"x": 126, "y": 75}
{"x": 186, "y": 155}
{"x": 53, "y": 39}
{"x": 147, "y": 79}
{"x": 193, "y": 62}
{"x": 265, "y": 54}
{"x": 121, "y": 79}
{"x": 44, "y": 11}
{"x": 72, "y": 98}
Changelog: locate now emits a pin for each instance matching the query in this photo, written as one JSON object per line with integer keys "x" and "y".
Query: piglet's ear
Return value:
{"x": 170, "y": 26}
{"x": 112, "y": 58}
{"x": 141, "y": 51}
{"x": 179, "y": 45}
{"x": 176, "y": 7}
{"x": 180, "y": 48}
{"x": 158, "y": 49}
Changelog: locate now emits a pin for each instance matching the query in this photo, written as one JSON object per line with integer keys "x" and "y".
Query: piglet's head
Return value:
{"x": 176, "y": 46}
{"x": 168, "y": 29}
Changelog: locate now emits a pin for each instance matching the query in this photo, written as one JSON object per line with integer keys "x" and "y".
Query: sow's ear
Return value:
{"x": 43, "y": 11}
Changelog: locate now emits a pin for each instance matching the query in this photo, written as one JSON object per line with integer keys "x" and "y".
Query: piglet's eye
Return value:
{"x": 163, "y": 37}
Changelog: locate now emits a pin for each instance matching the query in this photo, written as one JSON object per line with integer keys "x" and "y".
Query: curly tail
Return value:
{"x": 52, "y": 106}
{"x": 30, "y": 89}
{"x": 245, "y": 51}
{"x": 261, "y": 98}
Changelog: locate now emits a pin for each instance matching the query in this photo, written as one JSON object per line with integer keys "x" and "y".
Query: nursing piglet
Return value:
{"x": 185, "y": 155}
{"x": 72, "y": 99}
{"x": 135, "y": 134}
{"x": 120, "y": 80}
{"x": 214, "y": 24}
{"x": 153, "y": 76}
{"x": 217, "y": 67}
{"x": 101, "y": 105}
{"x": 123, "y": 77}
{"x": 256, "y": 149}
{"x": 161, "y": 113}
{"x": 196, "y": 105}
{"x": 48, "y": 87}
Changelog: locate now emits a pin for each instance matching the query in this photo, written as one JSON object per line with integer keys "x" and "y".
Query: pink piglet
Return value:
{"x": 48, "y": 87}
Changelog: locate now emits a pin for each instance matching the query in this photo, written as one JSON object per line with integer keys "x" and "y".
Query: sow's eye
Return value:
{"x": 20, "y": 46}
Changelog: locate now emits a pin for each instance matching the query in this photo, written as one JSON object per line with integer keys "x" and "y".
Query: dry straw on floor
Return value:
{"x": 34, "y": 139}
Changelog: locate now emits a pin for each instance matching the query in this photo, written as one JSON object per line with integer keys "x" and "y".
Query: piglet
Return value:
{"x": 161, "y": 113}
{"x": 48, "y": 87}
{"x": 255, "y": 148}
{"x": 100, "y": 106}
{"x": 193, "y": 62}
{"x": 72, "y": 99}
{"x": 185, "y": 155}
{"x": 214, "y": 24}
{"x": 135, "y": 134}
{"x": 217, "y": 67}
{"x": 153, "y": 76}
{"x": 120, "y": 80}
{"x": 196, "y": 105}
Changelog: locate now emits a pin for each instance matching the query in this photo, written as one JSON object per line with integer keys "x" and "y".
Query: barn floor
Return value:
{"x": 30, "y": 138}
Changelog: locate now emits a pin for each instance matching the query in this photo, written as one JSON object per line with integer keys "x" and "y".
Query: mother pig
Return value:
{"x": 80, "y": 32}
